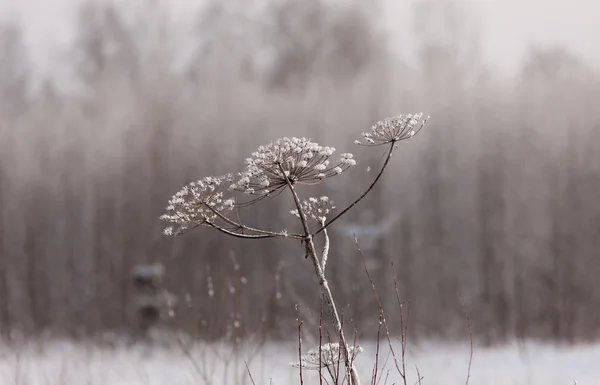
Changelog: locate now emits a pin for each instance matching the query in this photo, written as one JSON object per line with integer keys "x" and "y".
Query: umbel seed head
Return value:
{"x": 316, "y": 209}
{"x": 329, "y": 355}
{"x": 198, "y": 203}
{"x": 289, "y": 160}
{"x": 394, "y": 129}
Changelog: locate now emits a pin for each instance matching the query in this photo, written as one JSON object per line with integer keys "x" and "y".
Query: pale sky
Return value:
{"x": 508, "y": 26}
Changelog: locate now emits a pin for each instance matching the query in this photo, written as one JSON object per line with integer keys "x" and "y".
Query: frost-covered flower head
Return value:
{"x": 316, "y": 208}
{"x": 297, "y": 160}
{"x": 196, "y": 203}
{"x": 395, "y": 129}
{"x": 330, "y": 355}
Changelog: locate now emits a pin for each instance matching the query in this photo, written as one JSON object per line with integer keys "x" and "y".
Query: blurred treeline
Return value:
{"x": 496, "y": 202}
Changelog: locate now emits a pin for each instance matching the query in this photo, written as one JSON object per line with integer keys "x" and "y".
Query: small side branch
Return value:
{"x": 300, "y": 351}
{"x": 252, "y": 229}
{"x": 382, "y": 319}
{"x": 238, "y": 235}
{"x": 335, "y": 218}
{"x": 350, "y": 368}
{"x": 468, "y": 317}
{"x": 249, "y": 373}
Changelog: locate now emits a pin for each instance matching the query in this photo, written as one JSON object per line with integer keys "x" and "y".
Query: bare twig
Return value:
{"x": 403, "y": 323}
{"x": 382, "y": 313}
{"x": 419, "y": 377}
{"x": 321, "y": 341}
{"x": 249, "y": 374}
{"x": 374, "y": 376}
{"x": 387, "y": 376}
{"x": 186, "y": 350}
{"x": 468, "y": 317}
{"x": 338, "y": 365}
{"x": 300, "y": 350}
{"x": 354, "y": 345}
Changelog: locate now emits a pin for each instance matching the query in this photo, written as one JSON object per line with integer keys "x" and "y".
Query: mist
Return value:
{"x": 494, "y": 202}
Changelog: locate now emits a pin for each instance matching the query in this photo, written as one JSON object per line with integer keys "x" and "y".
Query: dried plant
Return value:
{"x": 327, "y": 356}
{"x": 392, "y": 130}
{"x": 297, "y": 160}
{"x": 198, "y": 203}
{"x": 284, "y": 165}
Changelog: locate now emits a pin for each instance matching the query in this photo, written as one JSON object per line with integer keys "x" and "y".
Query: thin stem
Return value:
{"x": 321, "y": 341}
{"x": 403, "y": 322}
{"x": 382, "y": 318}
{"x": 238, "y": 235}
{"x": 418, "y": 376}
{"x": 248, "y": 228}
{"x": 206, "y": 222}
{"x": 468, "y": 317}
{"x": 324, "y": 286}
{"x": 335, "y": 218}
{"x": 325, "y": 253}
{"x": 249, "y": 373}
{"x": 374, "y": 375}
{"x": 300, "y": 350}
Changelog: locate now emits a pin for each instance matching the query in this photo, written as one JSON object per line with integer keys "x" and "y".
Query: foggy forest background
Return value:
{"x": 496, "y": 201}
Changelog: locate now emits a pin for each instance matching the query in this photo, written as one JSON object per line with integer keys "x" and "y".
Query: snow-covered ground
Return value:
{"x": 71, "y": 364}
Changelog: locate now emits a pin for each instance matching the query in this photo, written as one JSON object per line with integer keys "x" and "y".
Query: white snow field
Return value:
{"x": 64, "y": 363}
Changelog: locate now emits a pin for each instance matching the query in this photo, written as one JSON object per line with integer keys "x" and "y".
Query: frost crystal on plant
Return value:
{"x": 395, "y": 129}
{"x": 330, "y": 355}
{"x": 196, "y": 204}
{"x": 316, "y": 208}
{"x": 297, "y": 160}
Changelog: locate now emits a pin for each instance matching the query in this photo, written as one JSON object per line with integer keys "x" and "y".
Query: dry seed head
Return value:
{"x": 196, "y": 204}
{"x": 315, "y": 208}
{"x": 293, "y": 160}
{"x": 328, "y": 356}
{"x": 394, "y": 129}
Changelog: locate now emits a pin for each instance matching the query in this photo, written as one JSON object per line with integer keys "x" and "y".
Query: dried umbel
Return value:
{"x": 293, "y": 160}
{"x": 316, "y": 208}
{"x": 280, "y": 166}
{"x": 330, "y": 355}
{"x": 198, "y": 203}
{"x": 395, "y": 129}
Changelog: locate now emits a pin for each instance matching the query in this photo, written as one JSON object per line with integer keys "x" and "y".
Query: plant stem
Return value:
{"x": 325, "y": 253}
{"x": 248, "y": 228}
{"x": 353, "y": 375}
{"x": 387, "y": 159}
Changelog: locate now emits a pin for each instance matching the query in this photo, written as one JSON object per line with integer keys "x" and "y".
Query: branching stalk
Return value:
{"x": 287, "y": 163}
{"x": 237, "y": 225}
{"x": 350, "y": 368}
{"x": 238, "y": 235}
